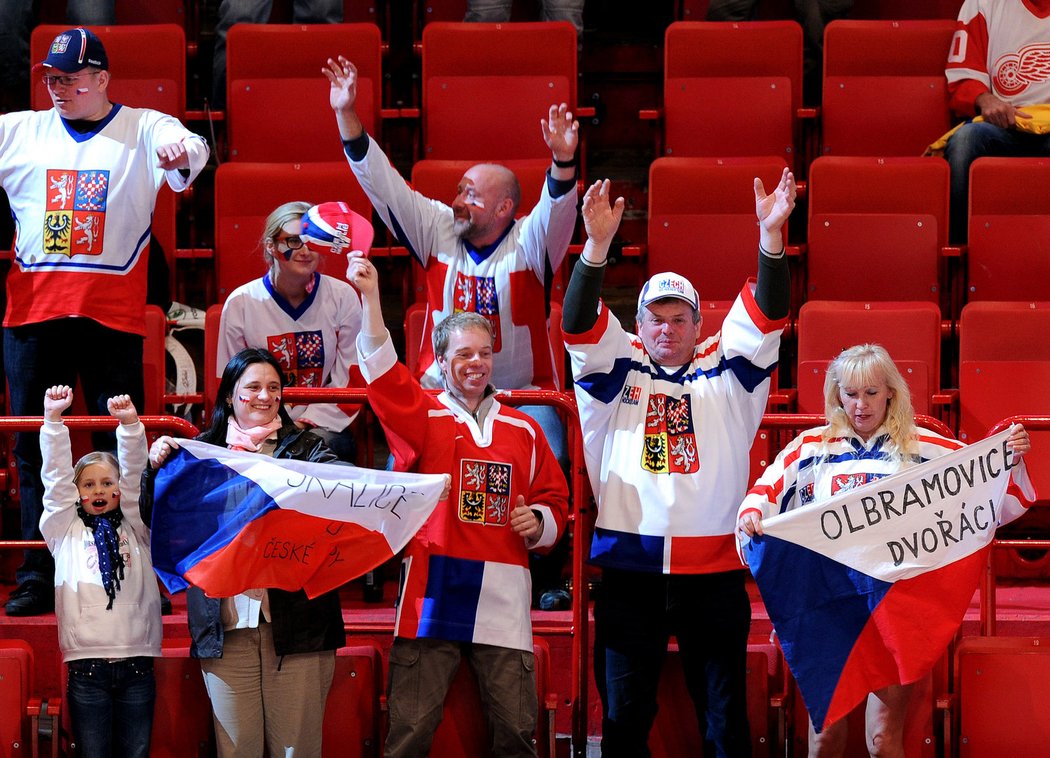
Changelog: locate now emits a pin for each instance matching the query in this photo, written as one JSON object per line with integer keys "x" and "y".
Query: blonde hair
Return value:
{"x": 275, "y": 222}
{"x": 96, "y": 457}
{"x": 865, "y": 366}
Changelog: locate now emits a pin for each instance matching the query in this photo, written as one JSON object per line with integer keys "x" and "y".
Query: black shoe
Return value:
{"x": 32, "y": 598}
{"x": 555, "y": 600}
{"x": 165, "y": 606}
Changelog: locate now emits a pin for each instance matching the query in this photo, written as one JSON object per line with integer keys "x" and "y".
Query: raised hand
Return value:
{"x": 56, "y": 400}
{"x": 560, "y": 132}
{"x": 122, "y": 409}
{"x": 600, "y": 218}
{"x": 773, "y": 209}
{"x": 342, "y": 75}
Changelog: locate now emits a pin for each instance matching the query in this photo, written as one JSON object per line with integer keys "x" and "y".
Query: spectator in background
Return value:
{"x": 258, "y": 12}
{"x": 465, "y": 587}
{"x": 82, "y": 179}
{"x": 997, "y": 66}
{"x": 16, "y": 22}
{"x": 814, "y": 15}
{"x": 307, "y": 320}
{"x": 475, "y": 255}
{"x": 553, "y": 10}
{"x": 667, "y": 425}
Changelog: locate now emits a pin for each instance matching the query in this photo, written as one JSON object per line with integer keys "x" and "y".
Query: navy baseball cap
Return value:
{"x": 75, "y": 49}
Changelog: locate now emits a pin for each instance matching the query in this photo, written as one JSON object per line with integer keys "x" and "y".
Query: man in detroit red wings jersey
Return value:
{"x": 998, "y": 63}
{"x": 465, "y": 585}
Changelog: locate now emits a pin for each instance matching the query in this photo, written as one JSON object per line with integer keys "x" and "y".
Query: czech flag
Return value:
{"x": 228, "y": 521}
{"x": 866, "y": 589}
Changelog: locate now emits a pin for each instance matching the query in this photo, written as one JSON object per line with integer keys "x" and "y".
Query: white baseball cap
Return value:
{"x": 668, "y": 284}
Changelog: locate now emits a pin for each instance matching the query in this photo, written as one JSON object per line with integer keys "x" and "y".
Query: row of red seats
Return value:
{"x": 183, "y": 721}
{"x": 989, "y": 705}
{"x": 884, "y": 91}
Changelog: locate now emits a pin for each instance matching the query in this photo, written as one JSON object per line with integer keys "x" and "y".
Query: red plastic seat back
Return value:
{"x": 702, "y": 220}
{"x": 351, "y": 717}
{"x": 486, "y": 87}
{"x": 1009, "y": 239}
{"x": 16, "y": 686}
{"x": 732, "y": 88}
{"x": 884, "y": 87}
{"x": 277, "y": 98}
{"x": 910, "y": 332}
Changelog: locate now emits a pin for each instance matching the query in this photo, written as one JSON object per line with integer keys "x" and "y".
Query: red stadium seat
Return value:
{"x": 351, "y": 717}
{"x": 157, "y": 80}
{"x": 1004, "y": 369}
{"x": 877, "y": 227}
{"x": 212, "y": 372}
{"x": 675, "y": 731}
{"x": 16, "y": 686}
{"x": 182, "y": 720}
{"x": 153, "y": 360}
{"x": 1009, "y": 242}
{"x": 702, "y": 220}
{"x": 463, "y": 730}
{"x": 277, "y": 98}
{"x": 246, "y": 193}
{"x": 910, "y": 331}
{"x": 884, "y": 86}
{"x": 486, "y": 87}
{"x": 732, "y": 89}
{"x": 1001, "y": 687}
{"x": 415, "y": 318}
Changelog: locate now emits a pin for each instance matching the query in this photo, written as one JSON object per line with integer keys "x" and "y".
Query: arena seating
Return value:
{"x": 473, "y": 71}
{"x": 731, "y": 89}
{"x": 277, "y": 98}
{"x": 884, "y": 87}
{"x": 1009, "y": 241}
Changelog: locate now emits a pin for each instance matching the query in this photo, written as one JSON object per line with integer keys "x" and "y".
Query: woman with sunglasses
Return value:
{"x": 307, "y": 320}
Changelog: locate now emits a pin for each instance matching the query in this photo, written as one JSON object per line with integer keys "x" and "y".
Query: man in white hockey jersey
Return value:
{"x": 82, "y": 179}
{"x": 667, "y": 425}
{"x": 475, "y": 255}
{"x": 998, "y": 68}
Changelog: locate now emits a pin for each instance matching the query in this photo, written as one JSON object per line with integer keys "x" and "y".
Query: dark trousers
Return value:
{"x": 39, "y": 356}
{"x": 111, "y": 706}
{"x": 635, "y": 615}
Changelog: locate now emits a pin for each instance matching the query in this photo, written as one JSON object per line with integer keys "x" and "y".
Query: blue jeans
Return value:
{"x": 258, "y": 12}
{"x": 553, "y": 10}
{"x": 635, "y": 614}
{"x": 976, "y": 140}
{"x": 553, "y": 429}
{"x": 111, "y": 706}
{"x": 38, "y": 356}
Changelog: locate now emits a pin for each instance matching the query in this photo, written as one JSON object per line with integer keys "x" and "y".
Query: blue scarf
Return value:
{"x": 107, "y": 543}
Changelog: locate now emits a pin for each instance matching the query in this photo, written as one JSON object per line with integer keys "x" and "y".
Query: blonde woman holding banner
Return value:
{"x": 870, "y": 434}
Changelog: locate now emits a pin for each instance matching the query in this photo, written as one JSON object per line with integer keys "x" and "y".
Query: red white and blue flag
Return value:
{"x": 867, "y": 588}
{"x": 228, "y": 521}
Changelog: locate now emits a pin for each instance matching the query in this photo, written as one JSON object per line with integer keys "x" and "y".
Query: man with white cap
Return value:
{"x": 667, "y": 425}
{"x": 82, "y": 179}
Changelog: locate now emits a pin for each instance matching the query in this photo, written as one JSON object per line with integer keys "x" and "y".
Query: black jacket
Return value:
{"x": 299, "y": 625}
